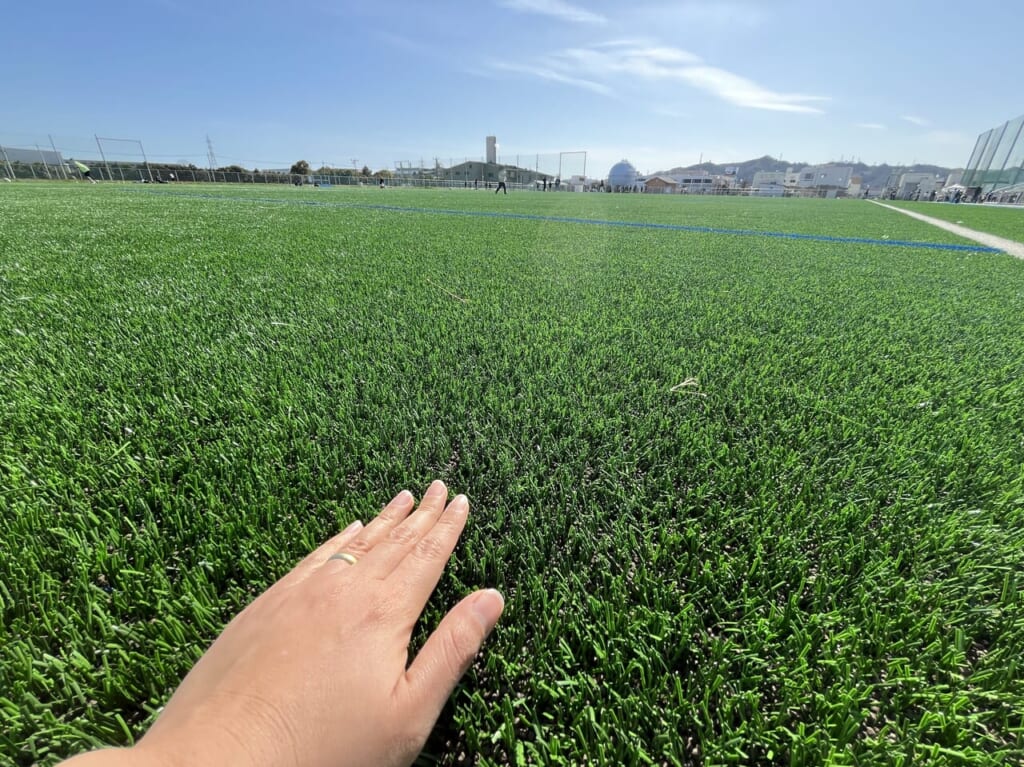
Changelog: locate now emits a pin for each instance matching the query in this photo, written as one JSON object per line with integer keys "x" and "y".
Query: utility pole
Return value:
{"x": 211, "y": 159}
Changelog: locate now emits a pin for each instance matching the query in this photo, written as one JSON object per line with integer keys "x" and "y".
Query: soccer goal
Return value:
{"x": 568, "y": 169}
{"x": 123, "y": 159}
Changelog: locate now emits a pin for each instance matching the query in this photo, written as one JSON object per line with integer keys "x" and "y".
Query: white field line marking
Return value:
{"x": 445, "y": 290}
{"x": 1012, "y": 247}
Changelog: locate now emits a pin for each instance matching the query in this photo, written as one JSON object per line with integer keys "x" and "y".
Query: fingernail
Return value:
{"x": 357, "y": 525}
{"x": 459, "y": 503}
{"x": 487, "y": 608}
{"x": 405, "y": 495}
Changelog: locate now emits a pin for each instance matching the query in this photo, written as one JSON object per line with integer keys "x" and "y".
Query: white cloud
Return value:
{"x": 623, "y": 43}
{"x": 698, "y": 17}
{"x": 556, "y": 8}
{"x": 871, "y": 126}
{"x": 946, "y": 137}
{"x": 544, "y": 73}
{"x": 598, "y": 67}
{"x": 919, "y": 121}
{"x": 746, "y": 93}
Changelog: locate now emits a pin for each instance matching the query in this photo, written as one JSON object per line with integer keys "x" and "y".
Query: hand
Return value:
{"x": 313, "y": 672}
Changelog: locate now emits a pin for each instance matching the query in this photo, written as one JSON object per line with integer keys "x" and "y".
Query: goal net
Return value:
{"x": 122, "y": 159}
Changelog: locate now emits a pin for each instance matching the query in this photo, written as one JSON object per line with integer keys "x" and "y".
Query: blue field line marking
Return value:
{"x": 595, "y": 222}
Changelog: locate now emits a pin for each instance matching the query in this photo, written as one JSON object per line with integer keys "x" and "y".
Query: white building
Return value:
{"x": 917, "y": 186}
{"x": 768, "y": 183}
{"x": 693, "y": 182}
{"x": 819, "y": 180}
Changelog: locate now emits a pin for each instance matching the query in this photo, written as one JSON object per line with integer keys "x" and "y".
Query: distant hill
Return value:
{"x": 875, "y": 175}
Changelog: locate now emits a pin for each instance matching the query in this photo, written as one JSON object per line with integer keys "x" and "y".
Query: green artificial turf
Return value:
{"x": 750, "y": 500}
{"x": 998, "y": 220}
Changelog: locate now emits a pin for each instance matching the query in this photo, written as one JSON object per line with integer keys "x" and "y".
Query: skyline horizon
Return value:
{"x": 521, "y": 158}
{"x": 662, "y": 83}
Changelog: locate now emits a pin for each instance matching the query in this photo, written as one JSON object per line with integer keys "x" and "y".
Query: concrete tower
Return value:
{"x": 492, "y": 149}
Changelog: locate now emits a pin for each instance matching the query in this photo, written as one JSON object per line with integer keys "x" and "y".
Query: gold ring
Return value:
{"x": 345, "y": 556}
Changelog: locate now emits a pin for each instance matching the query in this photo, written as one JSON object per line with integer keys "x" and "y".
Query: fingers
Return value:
{"x": 355, "y": 538}
{"x": 418, "y": 568}
{"x": 449, "y": 651}
{"x": 414, "y": 526}
{"x": 319, "y": 555}
{"x": 391, "y": 515}
{"x": 413, "y": 548}
{"x": 429, "y": 533}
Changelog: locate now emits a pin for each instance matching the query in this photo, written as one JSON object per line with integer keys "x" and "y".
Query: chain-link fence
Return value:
{"x": 125, "y": 160}
{"x": 140, "y": 174}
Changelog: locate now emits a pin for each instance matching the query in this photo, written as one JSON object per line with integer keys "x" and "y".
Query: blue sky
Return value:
{"x": 378, "y": 81}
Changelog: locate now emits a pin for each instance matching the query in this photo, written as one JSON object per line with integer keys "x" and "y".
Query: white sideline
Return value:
{"x": 1012, "y": 247}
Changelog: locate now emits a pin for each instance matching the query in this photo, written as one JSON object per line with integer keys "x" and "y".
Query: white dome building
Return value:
{"x": 623, "y": 177}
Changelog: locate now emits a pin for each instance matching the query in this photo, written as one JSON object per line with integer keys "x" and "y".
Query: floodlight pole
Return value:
{"x": 103, "y": 157}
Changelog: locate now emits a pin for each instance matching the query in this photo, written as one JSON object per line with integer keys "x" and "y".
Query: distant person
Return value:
{"x": 84, "y": 170}
{"x": 545, "y": 183}
{"x": 381, "y": 182}
{"x": 501, "y": 185}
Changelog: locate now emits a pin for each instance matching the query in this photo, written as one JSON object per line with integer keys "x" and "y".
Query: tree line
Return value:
{"x": 302, "y": 168}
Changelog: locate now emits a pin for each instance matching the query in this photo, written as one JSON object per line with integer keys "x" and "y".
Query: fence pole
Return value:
{"x": 103, "y": 157}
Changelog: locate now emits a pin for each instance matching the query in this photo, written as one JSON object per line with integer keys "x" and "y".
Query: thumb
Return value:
{"x": 449, "y": 651}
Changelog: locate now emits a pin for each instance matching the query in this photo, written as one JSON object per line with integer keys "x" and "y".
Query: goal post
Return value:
{"x": 566, "y": 167}
{"x": 124, "y": 159}
{"x": 572, "y": 165}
